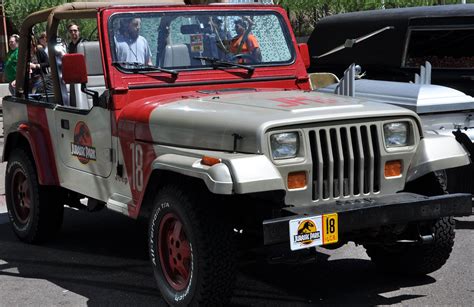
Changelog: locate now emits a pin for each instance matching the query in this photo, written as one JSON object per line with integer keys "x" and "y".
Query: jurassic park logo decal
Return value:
{"x": 82, "y": 145}
{"x": 313, "y": 231}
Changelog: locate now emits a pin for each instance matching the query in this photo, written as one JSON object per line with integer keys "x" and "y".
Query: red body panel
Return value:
{"x": 127, "y": 88}
{"x": 37, "y": 134}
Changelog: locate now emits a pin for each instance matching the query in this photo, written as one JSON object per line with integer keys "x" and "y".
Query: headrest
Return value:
{"x": 91, "y": 52}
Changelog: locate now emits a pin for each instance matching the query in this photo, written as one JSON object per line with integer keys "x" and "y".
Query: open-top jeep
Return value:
{"x": 220, "y": 146}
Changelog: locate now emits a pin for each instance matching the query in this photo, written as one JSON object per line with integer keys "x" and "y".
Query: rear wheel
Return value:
{"x": 33, "y": 216}
{"x": 190, "y": 249}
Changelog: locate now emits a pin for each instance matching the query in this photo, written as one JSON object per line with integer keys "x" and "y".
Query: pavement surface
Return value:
{"x": 101, "y": 259}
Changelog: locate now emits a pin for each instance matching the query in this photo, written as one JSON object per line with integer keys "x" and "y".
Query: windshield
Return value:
{"x": 190, "y": 40}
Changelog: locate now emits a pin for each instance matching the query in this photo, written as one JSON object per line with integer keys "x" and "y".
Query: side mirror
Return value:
{"x": 74, "y": 68}
{"x": 304, "y": 51}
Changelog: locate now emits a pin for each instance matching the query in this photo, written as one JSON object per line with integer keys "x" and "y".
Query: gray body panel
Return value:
{"x": 210, "y": 122}
{"x": 430, "y": 157}
{"x": 189, "y": 129}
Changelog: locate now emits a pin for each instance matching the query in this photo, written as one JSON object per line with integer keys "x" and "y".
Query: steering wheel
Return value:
{"x": 243, "y": 56}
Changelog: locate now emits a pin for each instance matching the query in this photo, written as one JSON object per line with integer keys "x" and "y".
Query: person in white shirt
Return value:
{"x": 130, "y": 46}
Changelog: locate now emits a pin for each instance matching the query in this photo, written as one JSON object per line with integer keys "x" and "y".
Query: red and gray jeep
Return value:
{"x": 221, "y": 150}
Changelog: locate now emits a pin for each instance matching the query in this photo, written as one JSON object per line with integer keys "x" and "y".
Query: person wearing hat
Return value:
{"x": 245, "y": 45}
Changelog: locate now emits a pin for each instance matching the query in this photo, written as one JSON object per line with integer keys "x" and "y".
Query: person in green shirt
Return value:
{"x": 11, "y": 59}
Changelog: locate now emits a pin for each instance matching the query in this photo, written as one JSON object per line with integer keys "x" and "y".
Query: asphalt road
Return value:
{"x": 101, "y": 259}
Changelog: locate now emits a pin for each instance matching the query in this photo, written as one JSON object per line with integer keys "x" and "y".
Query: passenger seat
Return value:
{"x": 176, "y": 56}
{"x": 95, "y": 74}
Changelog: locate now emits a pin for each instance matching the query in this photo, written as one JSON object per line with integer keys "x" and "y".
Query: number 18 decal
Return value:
{"x": 330, "y": 228}
{"x": 137, "y": 166}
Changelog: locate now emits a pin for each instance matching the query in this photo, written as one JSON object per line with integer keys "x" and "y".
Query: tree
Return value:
{"x": 18, "y": 10}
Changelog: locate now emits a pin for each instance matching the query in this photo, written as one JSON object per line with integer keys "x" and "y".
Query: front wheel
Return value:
{"x": 190, "y": 249}
{"x": 416, "y": 259}
{"x": 35, "y": 214}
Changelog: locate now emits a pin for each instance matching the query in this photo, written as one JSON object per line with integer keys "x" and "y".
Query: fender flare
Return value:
{"x": 434, "y": 153}
{"x": 464, "y": 140}
{"x": 41, "y": 151}
{"x": 240, "y": 174}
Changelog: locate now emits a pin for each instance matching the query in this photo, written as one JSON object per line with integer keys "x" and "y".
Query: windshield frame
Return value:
{"x": 221, "y": 12}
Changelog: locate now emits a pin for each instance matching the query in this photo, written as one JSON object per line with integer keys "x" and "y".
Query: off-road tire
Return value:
{"x": 41, "y": 218}
{"x": 209, "y": 238}
{"x": 416, "y": 259}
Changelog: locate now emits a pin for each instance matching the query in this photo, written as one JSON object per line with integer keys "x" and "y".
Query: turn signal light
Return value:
{"x": 210, "y": 161}
{"x": 393, "y": 168}
{"x": 296, "y": 180}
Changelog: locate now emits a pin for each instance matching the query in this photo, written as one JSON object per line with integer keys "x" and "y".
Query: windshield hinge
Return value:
{"x": 120, "y": 89}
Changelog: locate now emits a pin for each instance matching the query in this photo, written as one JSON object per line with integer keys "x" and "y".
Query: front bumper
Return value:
{"x": 368, "y": 213}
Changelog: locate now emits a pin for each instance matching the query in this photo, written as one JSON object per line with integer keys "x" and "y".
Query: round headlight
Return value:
{"x": 284, "y": 145}
{"x": 396, "y": 134}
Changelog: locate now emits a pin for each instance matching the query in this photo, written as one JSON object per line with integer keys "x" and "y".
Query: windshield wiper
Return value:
{"x": 215, "y": 62}
{"x": 143, "y": 68}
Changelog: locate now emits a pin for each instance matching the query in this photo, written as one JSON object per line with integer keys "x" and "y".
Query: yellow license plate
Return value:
{"x": 313, "y": 231}
{"x": 330, "y": 227}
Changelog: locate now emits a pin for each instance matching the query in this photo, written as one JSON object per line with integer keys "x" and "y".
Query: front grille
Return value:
{"x": 346, "y": 161}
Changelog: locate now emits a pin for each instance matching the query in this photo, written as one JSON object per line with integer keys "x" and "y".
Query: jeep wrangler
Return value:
{"x": 217, "y": 141}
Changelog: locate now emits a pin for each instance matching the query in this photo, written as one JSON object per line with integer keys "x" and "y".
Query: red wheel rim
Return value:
{"x": 21, "y": 196}
{"x": 175, "y": 252}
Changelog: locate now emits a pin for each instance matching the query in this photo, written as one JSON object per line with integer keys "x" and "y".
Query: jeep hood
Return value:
{"x": 213, "y": 121}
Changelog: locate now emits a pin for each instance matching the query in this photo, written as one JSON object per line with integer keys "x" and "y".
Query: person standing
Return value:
{"x": 43, "y": 42}
{"x": 39, "y": 65}
{"x": 75, "y": 35}
{"x": 131, "y": 47}
{"x": 11, "y": 59}
{"x": 10, "y": 62}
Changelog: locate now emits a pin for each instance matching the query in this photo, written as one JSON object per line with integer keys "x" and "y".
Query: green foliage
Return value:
{"x": 18, "y": 10}
{"x": 303, "y": 13}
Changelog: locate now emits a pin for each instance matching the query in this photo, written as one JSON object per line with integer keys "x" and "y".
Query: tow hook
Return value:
{"x": 426, "y": 239}
{"x": 422, "y": 239}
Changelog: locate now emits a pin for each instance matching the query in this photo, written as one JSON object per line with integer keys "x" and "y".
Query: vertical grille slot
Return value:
{"x": 328, "y": 163}
{"x": 338, "y": 162}
{"x": 369, "y": 159}
{"x": 376, "y": 146}
{"x": 314, "y": 153}
{"x": 348, "y": 160}
{"x": 358, "y": 160}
